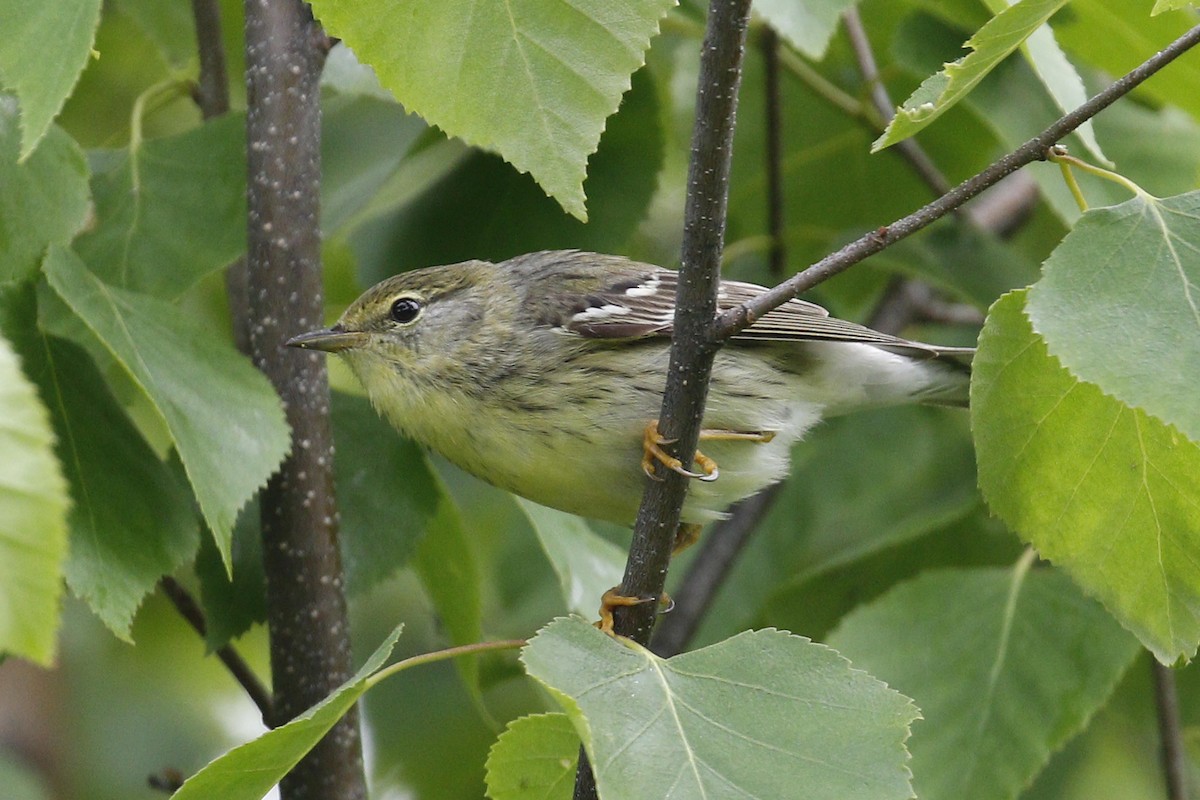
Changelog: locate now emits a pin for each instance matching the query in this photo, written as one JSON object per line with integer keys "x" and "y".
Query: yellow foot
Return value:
{"x": 652, "y": 451}
{"x": 612, "y": 599}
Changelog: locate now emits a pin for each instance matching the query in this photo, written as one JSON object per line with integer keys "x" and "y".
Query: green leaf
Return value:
{"x": 386, "y": 493}
{"x": 169, "y": 24}
{"x": 991, "y": 44}
{"x": 364, "y": 140}
{"x": 169, "y": 211}
{"x": 234, "y": 599}
{"x": 1032, "y": 661}
{"x": 807, "y": 25}
{"x": 449, "y": 571}
{"x": 1056, "y": 73}
{"x": 860, "y": 485}
{"x": 131, "y": 519}
{"x": 753, "y": 716}
{"x": 249, "y": 771}
{"x": 45, "y": 197}
{"x": 587, "y": 564}
{"x": 1169, "y": 5}
{"x": 1107, "y": 492}
{"x": 33, "y": 519}
{"x": 1119, "y": 305}
{"x": 533, "y": 82}
{"x": 534, "y": 757}
{"x": 1116, "y": 36}
{"x": 223, "y": 415}
{"x": 44, "y": 48}
{"x": 1158, "y": 148}
{"x": 622, "y": 177}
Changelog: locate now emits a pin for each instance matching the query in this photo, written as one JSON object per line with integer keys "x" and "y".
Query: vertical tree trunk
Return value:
{"x": 306, "y": 609}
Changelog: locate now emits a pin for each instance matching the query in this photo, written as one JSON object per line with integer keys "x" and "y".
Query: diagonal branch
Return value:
{"x": 740, "y": 318}
{"x": 190, "y": 610}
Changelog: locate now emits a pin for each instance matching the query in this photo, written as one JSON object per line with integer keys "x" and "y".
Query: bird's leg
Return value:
{"x": 613, "y": 599}
{"x": 652, "y": 442}
{"x": 685, "y": 536}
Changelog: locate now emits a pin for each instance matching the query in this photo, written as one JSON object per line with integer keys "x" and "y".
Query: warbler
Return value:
{"x": 544, "y": 375}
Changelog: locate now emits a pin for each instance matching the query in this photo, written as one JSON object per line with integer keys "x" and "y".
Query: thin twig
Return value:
{"x": 912, "y": 152}
{"x": 740, "y": 318}
{"x": 212, "y": 96}
{"x": 190, "y": 610}
{"x": 212, "y": 89}
{"x": 769, "y": 44}
{"x": 1170, "y": 730}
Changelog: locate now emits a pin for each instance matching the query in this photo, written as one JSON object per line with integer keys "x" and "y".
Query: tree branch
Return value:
{"x": 190, "y": 610}
{"x": 912, "y": 152}
{"x": 306, "y": 610}
{"x": 777, "y": 255}
{"x": 692, "y": 345}
{"x": 212, "y": 89}
{"x": 717, "y": 553}
{"x": 1174, "y": 752}
{"x": 740, "y": 318}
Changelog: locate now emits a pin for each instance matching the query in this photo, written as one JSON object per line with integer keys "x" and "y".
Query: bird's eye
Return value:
{"x": 405, "y": 310}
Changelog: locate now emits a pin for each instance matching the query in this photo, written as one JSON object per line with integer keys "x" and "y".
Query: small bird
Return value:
{"x": 544, "y": 374}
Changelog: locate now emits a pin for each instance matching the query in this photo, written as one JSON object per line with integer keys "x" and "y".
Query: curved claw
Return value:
{"x": 687, "y": 473}
{"x": 708, "y": 467}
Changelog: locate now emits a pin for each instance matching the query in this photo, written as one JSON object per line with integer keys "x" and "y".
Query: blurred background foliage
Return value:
{"x": 873, "y": 500}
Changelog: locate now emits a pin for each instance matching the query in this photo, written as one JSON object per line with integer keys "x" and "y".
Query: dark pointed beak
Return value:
{"x": 331, "y": 340}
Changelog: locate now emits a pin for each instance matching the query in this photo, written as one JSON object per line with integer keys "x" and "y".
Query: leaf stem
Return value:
{"x": 162, "y": 92}
{"x": 1065, "y": 161}
{"x": 443, "y": 655}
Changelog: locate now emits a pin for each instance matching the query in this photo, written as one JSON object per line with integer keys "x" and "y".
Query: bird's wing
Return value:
{"x": 644, "y": 306}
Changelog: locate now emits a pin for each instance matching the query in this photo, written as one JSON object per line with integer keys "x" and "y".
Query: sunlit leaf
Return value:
{"x": 1108, "y": 492}
{"x": 249, "y": 771}
{"x": 44, "y": 48}
{"x": 33, "y": 518}
{"x": 990, "y": 45}
{"x": 807, "y": 25}
{"x": 1119, "y": 304}
{"x": 492, "y": 72}
{"x": 1170, "y": 5}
